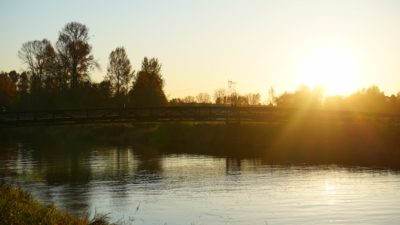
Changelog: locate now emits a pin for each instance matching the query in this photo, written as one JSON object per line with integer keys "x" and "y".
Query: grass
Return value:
{"x": 18, "y": 207}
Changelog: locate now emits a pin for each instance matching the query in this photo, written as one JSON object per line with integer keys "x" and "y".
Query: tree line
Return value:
{"x": 57, "y": 77}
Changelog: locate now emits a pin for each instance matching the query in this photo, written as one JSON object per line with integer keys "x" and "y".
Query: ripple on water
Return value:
{"x": 187, "y": 189}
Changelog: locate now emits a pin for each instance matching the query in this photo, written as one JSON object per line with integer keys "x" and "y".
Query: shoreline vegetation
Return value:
{"x": 18, "y": 207}
{"x": 362, "y": 143}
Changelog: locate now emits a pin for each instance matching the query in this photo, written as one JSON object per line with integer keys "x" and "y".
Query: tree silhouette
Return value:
{"x": 39, "y": 57}
{"x": 119, "y": 71}
{"x": 148, "y": 85}
{"x": 59, "y": 78}
{"x": 203, "y": 98}
{"x": 23, "y": 84}
{"x": 253, "y": 99}
{"x": 303, "y": 97}
{"x": 220, "y": 96}
{"x": 189, "y": 100}
{"x": 14, "y": 76}
{"x": 8, "y": 91}
{"x": 105, "y": 91}
{"x": 75, "y": 53}
{"x": 271, "y": 96}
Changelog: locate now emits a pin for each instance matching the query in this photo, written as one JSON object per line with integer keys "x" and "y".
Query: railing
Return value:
{"x": 226, "y": 114}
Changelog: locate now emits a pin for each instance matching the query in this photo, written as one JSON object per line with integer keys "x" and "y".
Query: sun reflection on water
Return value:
{"x": 330, "y": 188}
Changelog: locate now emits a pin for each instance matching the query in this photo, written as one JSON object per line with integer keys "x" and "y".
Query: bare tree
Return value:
{"x": 39, "y": 57}
{"x": 189, "y": 100}
{"x": 253, "y": 99}
{"x": 75, "y": 53}
{"x": 119, "y": 71}
{"x": 203, "y": 98}
{"x": 233, "y": 95}
{"x": 220, "y": 96}
{"x": 272, "y": 96}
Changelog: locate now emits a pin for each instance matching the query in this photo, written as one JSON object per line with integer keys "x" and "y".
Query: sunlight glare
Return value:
{"x": 331, "y": 68}
{"x": 330, "y": 189}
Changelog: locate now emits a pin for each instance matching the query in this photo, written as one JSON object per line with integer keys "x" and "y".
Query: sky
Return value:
{"x": 343, "y": 45}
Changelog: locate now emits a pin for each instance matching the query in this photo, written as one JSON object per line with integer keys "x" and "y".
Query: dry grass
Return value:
{"x": 18, "y": 207}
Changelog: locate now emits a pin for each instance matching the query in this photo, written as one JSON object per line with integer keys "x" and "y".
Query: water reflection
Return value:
{"x": 149, "y": 164}
{"x": 233, "y": 166}
{"x": 186, "y": 189}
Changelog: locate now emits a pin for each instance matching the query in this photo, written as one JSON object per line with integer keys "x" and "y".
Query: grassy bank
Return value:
{"x": 356, "y": 143}
{"x": 18, "y": 207}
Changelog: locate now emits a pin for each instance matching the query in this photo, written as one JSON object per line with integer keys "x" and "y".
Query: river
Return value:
{"x": 139, "y": 185}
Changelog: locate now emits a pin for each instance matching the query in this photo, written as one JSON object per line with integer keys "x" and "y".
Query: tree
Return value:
{"x": 14, "y": 76}
{"x": 271, "y": 96}
{"x": 105, "y": 89}
{"x": 370, "y": 99}
{"x": 189, "y": 100}
{"x": 148, "y": 85}
{"x": 75, "y": 53}
{"x": 39, "y": 57}
{"x": 253, "y": 99}
{"x": 203, "y": 98}
{"x": 176, "y": 101}
{"x": 286, "y": 100}
{"x": 8, "y": 91}
{"x": 220, "y": 96}
{"x": 302, "y": 98}
{"x": 119, "y": 71}
{"x": 23, "y": 84}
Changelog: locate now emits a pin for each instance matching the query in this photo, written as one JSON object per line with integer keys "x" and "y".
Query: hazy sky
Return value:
{"x": 203, "y": 44}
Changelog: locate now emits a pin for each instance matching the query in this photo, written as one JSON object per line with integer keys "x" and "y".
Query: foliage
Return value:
{"x": 148, "y": 85}
{"x": 23, "y": 84}
{"x": 8, "y": 91}
{"x": 370, "y": 99}
{"x": 39, "y": 56}
{"x": 74, "y": 53}
{"x": 304, "y": 97}
{"x": 119, "y": 71}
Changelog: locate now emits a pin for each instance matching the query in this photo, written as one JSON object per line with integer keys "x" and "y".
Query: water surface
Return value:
{"x": 142, "y": 186}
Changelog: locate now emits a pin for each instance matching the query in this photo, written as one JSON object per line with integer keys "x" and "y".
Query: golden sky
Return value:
{"x": 343, "y": 45}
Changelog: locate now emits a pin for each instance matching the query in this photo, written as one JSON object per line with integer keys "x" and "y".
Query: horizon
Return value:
{"x": 201, "y": 46}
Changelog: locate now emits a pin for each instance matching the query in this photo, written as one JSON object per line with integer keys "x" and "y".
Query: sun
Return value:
{"x": 329, "y": 67}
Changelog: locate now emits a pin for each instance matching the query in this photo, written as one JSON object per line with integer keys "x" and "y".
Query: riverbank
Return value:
{"x": 18, "y": 207}
{"x": 356, "y": 143}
